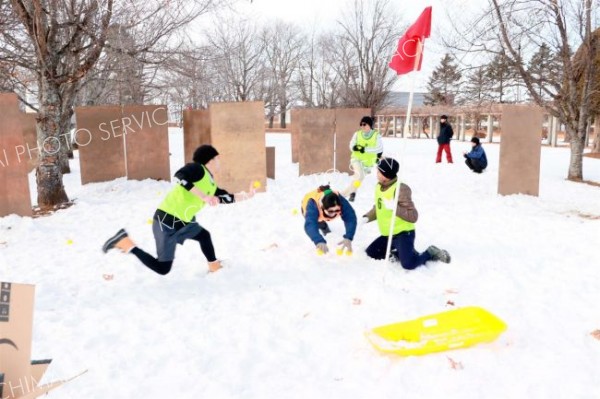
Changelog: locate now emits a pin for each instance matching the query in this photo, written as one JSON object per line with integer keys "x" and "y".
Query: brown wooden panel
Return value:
{"x": 520, "y": 150}
{"x": 196, "y": 130}
{"x": 238, "y": 133}
{"x": 316, "y": 135}
{"x": 271, "y": 162}
{"x": 347, "y": 121}
{"x": 99, "y": 136}
{"x": 296, "y": 116}
{"x": 146, "y": 141}
{"x": 29, "y": 124}
{"x": 14, "y": 183}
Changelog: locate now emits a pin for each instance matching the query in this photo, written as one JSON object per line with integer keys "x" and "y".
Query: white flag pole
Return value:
{"x": 400, "y": 160}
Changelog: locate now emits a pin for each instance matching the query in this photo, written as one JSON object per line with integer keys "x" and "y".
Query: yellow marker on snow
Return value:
{"x": 294, "y": 211}
{"x": 149, "y": 221}
{"x": 69, "y": 242}
{"x": 256, "y": 184}
{"x": 356, "y": 183}
{"x": 319, "y": 252}
{"x": 340, "y": 251}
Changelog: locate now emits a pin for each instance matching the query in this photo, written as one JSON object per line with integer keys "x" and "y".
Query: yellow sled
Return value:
{"x": 438, "y": 332}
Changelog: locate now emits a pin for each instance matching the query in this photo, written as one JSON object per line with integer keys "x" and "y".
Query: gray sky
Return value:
{"x": 315, "y": 13}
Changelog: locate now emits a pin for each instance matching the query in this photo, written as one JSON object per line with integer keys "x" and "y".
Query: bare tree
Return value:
{"x": 283, "y": 46}
{"x": 60, "y": 41}
{"x": 189, "y": 79}
{"x": 518, "y": 29}
{"x": 239, "y": 59}
{"x": 581, "y": 54}
{"x": 317, "y": 81}
{"x": 370, "y": 31}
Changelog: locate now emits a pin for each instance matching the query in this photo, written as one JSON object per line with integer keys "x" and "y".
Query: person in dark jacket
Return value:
{"x": 405, "y": 217}
{"x": 443, "y": 140}
{"x": 175, "y": 219}
{"x": 321, "y": 206}
{"x": 476, "y": 159}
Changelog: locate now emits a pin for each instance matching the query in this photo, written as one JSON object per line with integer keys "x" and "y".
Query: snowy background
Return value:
{"x": 281, "y": 322}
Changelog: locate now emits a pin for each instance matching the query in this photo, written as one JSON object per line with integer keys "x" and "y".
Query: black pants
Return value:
{"x": 474, "y": 165}
{"x": 165, "y": 267}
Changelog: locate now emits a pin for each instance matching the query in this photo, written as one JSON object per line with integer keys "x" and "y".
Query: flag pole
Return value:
{"x": 400, "y": 160}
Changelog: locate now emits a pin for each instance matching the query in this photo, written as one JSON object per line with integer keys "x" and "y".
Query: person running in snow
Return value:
{"x": 319, "y": 207}
{"x": 403, "y": 240}
{"x": 175, "y": 221}
{"x": 366, "y": 146}
{"x": 443, "y": 140}
{"x": 476, "y": 159}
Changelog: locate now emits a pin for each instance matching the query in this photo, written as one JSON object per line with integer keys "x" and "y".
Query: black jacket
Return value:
{"x": 446, "y": 133}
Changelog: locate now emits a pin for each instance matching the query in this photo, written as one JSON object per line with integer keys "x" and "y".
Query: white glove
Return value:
{"x": 363, "y": 220}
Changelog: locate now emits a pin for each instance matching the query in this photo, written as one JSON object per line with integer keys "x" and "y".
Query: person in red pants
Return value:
{"x": 443, "y": 140}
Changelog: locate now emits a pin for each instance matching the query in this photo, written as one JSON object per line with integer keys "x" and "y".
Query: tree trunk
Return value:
{"x": 65, "y": 143}
{"x": 282, "y": 120}
{"x": 596, "y": 145}
{"x": 50, "y": 187}
{"x": 576, "y": 163}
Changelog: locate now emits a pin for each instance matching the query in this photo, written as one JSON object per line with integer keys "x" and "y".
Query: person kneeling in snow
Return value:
{"x": 403, "y": 240}
{"x": 175, "y": 221}
{"x": 476, "y": 159}
{"x": 319, "y": 207}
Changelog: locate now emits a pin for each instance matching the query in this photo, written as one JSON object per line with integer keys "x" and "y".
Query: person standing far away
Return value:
{"x": 403, "y": 239}
{"x": 366, "y": 147}
{"x": 175, "y": 219}
{"x": 476, "y": 159}
{"x": 321, "y": 206}
{"x": 443, "y": 140}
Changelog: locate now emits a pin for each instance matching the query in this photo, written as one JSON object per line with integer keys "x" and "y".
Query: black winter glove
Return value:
{"x": 359, "y": 148}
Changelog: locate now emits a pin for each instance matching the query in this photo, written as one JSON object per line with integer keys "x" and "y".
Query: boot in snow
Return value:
{"x": 438, "y": 254}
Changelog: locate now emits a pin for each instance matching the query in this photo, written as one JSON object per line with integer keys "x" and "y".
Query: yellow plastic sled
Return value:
{"x": 438, "y": 332}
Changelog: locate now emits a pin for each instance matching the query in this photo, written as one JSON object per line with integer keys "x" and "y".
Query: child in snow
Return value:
{"x": 403, "y": 239}
{"x": 174, "y": 221}
{"x": 443, "y": 140}
{"x": 366, "y": 146}
{"x": 476, "y": 159}
{"x": 319, "y": 207}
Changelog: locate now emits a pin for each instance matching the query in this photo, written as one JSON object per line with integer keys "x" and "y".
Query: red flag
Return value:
{"x": 405, "y": 58}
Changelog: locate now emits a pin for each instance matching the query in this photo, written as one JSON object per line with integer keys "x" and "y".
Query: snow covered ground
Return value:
{"x": 281, "y": 322}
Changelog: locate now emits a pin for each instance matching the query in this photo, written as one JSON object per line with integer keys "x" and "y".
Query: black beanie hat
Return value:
{"x": 388, "y": 167}
{"x": 368, "y": 120}
{"x": 475, "y": 140}
{"x": 444, "y": 117}
{"x": 204, "y": 154}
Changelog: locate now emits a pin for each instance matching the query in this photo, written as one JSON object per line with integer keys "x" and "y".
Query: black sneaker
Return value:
{"x": 439, "y": 254}
{"x": 351, "y": 197}
{"x": 324, "y": 228}
{"x": 110, "y": 243}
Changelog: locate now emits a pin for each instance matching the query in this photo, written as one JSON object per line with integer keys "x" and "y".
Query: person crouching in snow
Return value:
{"x": 403, "y": 240}
{"x": 476, "y": 159}
{"x": 321, "y": 206}
{"x": 175, "y": 221}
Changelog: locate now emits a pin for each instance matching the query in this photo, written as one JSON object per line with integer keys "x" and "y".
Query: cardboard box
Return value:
{"x": 19, "y": 376}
